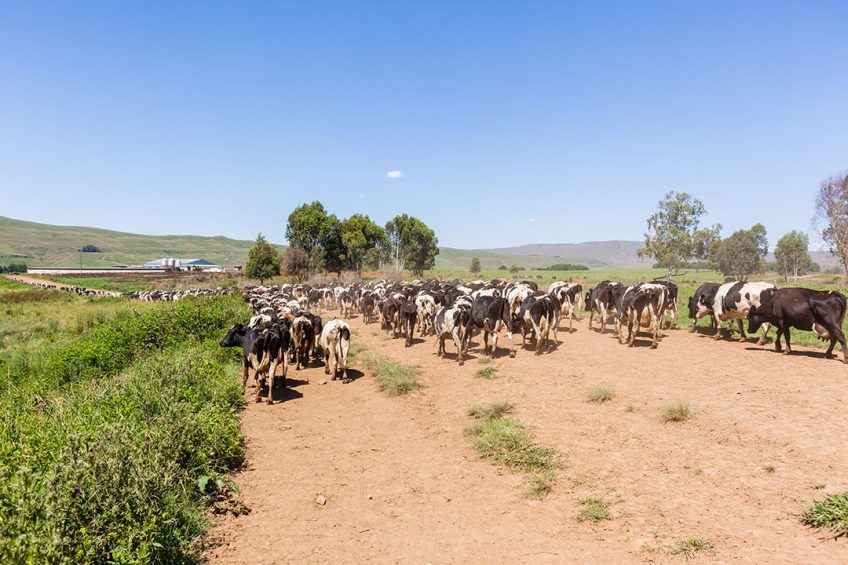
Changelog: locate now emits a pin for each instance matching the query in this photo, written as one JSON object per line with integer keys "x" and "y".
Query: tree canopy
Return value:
{"x": 475, "y": 265}
{"x": 412, "y": 244}
{"x": 741, "y": 254}
{"x": 306, "y": 226}
{"x": 674, "y": 235}
{"x": 263, "y": 260}
{"x": 791, "y": 255}
{"x": 831, "y": 215}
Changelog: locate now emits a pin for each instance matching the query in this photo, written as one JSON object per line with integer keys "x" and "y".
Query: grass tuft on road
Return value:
{"x": 541, "y": 485}
{"x": 508, "y": 443}
{"x": 601, "y": 394}
{"x": 689, "y": 547}
{"x": 830, "y": 513}
{"x": 490, "y": 410}
{"x": 393, "y": 378}
{"x": 486, "y": 373}
{"x": 594, "y": 510}
{"x": 677, "y": 412}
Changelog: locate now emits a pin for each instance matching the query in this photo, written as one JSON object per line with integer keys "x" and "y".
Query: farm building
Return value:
{"x": 174, "y": 263}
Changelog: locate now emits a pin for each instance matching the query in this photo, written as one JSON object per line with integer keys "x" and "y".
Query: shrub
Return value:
{"x": 831, "y": 513}
{"x": 541, "y": 485}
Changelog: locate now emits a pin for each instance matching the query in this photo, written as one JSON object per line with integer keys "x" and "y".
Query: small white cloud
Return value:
{"x": 531, "y": 220}
{"x": 394, "y": 174}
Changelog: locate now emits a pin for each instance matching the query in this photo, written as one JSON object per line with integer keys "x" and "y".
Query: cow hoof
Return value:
{"x": 692, "y": 330}
{"x": 270, "y": 401}
{"x": 461, "y": 363}
{"x": 742, "y": 340}
{"x": 787, "y": 352}
{"x": 258, "y": 399}
{"x": 511, "y": 355}
{"x": 653, "y": 346}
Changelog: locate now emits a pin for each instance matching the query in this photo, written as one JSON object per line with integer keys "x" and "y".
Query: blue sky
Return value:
{"x": 511, "y": 123}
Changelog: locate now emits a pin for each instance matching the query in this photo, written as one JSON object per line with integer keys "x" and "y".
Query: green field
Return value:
{"x": 118, "y": 425}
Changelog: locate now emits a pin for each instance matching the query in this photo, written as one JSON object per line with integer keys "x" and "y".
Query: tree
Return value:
{"x": 831, "y": 216}
{"x": 741, "y": 254}
{"x": 263, "y": 260}
{"x": 475, "y": 265}
{"x": 671, "y": 237}
{"x": 297, "y": 263}
{"x": 359, "y": 235}
{"x": 306, "y": 225}
{"x": 331, "y": 245}
{"x": 791, "y": 255}
{"x": 411, "y": 244}
{"x": 514, "y": 269}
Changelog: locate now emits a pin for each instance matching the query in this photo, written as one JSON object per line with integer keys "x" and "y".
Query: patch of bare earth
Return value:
{"x": 401, "y": 484}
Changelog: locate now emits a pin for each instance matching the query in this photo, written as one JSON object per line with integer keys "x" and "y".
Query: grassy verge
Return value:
{"x": 114, "y": 458}
{"x": 830, "y": 513}
{"x": 393, "y": 378}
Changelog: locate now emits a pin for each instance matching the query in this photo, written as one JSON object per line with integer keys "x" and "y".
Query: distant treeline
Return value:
{"x": 13, "y": 268}
{"x": 90, "y": 249}
{"x": 566, "y": 267}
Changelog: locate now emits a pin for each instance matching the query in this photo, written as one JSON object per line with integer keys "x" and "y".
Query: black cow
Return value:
{"x": 490, "y": 314}
{"x": 390, "y": 316}
{"x": 705, "y": 294}
{"x": 820, "y": 311}
{"x": 263, "y": 349}
{"x": 366, "y": 306}
{"x": 408, "y": 318}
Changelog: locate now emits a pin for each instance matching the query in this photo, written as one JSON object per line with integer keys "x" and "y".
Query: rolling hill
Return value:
{"x": 56, "y": 246}
{"x": 47, "y": 245}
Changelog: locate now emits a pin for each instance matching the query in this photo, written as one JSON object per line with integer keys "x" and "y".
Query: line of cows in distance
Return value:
{"x": 284, "y": 331}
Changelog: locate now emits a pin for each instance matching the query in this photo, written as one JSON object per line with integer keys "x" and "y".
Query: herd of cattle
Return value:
{"x": 284, "y": 330}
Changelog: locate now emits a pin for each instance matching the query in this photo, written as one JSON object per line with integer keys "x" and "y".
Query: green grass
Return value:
{"x": 486, "y": 373}
{"x": 118, "y": 426}
{"x": 689, "y": 547}
{"x": 507, "y": 442}
{"x": 393, "y": 378}
{"x": 594, "y": 510}
{"x": 678, "y": 411}
{"x": 490, "y": 410}
{"x": 541, "y": 485}
{"x": 122, "y": 283}
{"x": 601, "y": 394}
{"x": 830, "y": 513}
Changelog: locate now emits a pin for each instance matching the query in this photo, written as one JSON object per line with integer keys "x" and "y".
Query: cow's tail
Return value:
{"x": 843, "y": 303}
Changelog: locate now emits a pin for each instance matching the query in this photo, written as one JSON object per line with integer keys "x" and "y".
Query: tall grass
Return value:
{"x": 830, "y": 513}
{"x": 106, "y": 437}
{"x": 393, "y": 378}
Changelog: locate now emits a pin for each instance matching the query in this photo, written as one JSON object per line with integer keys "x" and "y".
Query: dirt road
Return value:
{"x": 402, "y": 484}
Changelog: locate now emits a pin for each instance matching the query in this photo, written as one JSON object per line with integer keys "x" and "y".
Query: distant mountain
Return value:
{"x": 48, "y": 245}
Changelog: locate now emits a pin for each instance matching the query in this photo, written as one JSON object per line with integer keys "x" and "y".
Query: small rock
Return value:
{"x": 370, "y": 497}
{"x": 323, "y": 382}
{"x": 321, "y": 500}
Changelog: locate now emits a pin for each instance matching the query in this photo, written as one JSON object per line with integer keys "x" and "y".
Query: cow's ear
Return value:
{"x": 747, "y": 296}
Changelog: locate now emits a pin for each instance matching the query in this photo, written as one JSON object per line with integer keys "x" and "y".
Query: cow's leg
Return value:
{"x": 327, "y": 362}
{"x": 260, "y": 380}
{"x": 742, "y": 337}
{"x": 603, "y": 315}
{"x": 788, "y": 345}
{"x": 764, "y": 336}
{"x": 509, "y": 338}
{"x": 486, "y": 342}
{"x": 272, "y": 376}
{"x": 840, "y": 337}
{"x": 717, "y": 335}
{"x": 457, "y": 341}
{"x": 656, "y": 325}
{"x": 244, "y": 371}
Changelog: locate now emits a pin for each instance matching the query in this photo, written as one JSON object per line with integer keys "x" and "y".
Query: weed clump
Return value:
{"x": 508, "y": 443}
{"x": 601, "y": 394}
{"x": 490, "y": 411}
{"x": 830, "y": 513}
{"x": 393, "y": 378}
{"x": 677, "y": 412}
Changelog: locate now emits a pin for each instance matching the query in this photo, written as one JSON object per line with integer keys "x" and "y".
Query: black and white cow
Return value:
{"x": 602, "y": 300}
{"x": 641, "y": 305}
{"x": 570, "y": 295}
{"x": 366, "y": 306}
{"x": 426, "y": 303}
{"x": 335, "y": 344}
{"x": 733, "y": 301}
{"x": 452, "y": 322}
{"x": 490, "y": 315}
{"x": 263, "y": 350}
{"x": 819, "y": 311}
{"x": 303, "y": 338}
{"x": 671, "y": 303}
{"x": 705, "y": 294}
{"x": 539, "y": 314}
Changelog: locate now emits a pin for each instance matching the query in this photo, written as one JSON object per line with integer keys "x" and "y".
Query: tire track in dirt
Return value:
{"x": 402, "y": 484}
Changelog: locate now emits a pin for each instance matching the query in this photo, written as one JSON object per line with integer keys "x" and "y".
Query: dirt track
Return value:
{"x": 402, "y": 484}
